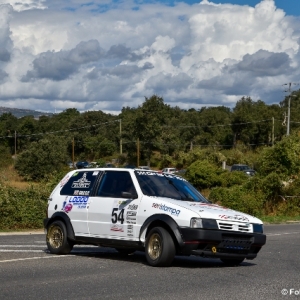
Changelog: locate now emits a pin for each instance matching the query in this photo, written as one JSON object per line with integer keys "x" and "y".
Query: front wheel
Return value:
{"x": 57, "y": 239}
{"x": 232, "y": 262}
{"x": 159, "y": 248}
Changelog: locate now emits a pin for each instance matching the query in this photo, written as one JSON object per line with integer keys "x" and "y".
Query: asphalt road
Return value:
{"x": 28, "y": 271}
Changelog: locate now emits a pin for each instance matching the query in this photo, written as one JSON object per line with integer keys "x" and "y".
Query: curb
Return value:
{"x": 23, "y": 232}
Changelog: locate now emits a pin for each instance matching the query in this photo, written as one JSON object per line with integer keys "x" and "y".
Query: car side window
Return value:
{"x": 80, "y": 183}
{"x": 114, "y": 183}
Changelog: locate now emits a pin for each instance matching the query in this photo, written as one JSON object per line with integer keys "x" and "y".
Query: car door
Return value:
{"x": 112, "y": 213}
{"x": 77, "y": 192}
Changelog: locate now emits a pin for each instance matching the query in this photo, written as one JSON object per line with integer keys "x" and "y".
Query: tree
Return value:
{"x": 149, "y": 122}
{"x": 282, "y": 159}
{"x": 252, "y": 122}
{"x": 42, "y": 158}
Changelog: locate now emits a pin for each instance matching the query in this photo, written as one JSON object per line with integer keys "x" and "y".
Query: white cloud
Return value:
{"x": 106, "y": 54}
{"x": 25, "y": 4}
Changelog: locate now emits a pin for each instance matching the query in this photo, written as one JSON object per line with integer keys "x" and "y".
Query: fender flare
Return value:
{"x": 166, "y": 219}
{"x": 59, "y": 215}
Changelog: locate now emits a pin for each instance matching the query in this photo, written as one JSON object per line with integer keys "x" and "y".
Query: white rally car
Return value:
{"x": 161, "y": 214}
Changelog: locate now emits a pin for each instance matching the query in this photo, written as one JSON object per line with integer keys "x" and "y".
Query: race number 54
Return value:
{"x": 115, "y": 216}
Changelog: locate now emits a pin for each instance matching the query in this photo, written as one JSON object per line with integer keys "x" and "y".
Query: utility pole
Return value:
{"x": 138, "y": 152}
{"x": 273, "y": 123}
{"x": 289, "y": 107}
{"x": 15, "y": 144}
{"x": 73, "y": 147}
{"x": 121, "y": 150}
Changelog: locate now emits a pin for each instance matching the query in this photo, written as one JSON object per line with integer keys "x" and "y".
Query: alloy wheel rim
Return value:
{"x": 55, "y": 237}
{"x": 154, "y": 246}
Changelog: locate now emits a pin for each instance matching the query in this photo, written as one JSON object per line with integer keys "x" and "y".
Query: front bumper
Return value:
{"x": 221, "y": 243}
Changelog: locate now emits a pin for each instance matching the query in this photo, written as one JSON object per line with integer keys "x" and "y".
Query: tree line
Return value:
{"x": 146, "y": 134}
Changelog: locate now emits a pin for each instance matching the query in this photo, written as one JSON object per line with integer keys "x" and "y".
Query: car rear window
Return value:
{"x": 80, "y": 183}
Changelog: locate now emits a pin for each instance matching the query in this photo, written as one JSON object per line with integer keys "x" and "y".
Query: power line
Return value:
{"x": 51, "y": 132}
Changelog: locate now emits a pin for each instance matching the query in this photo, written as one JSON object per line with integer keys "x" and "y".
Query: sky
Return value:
{"x": 109, "y": 54}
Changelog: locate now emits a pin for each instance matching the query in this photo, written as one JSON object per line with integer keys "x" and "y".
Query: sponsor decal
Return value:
{"x": 235, "y": 217}
{"x": 95, "y": 173}
{"x": 131, "y": 222}
{"x": 149, "y": 173}
{"x": 209, "y": 206}
{"x": 78, "y": 201}
{"x": 117, "y": 227}
{"x": 68, "y": 207}
{"x": 81, "y": 183}
{"x": 81, "y": 193}
{"x": 131, "y": 213}
{"x": 165, "y": 208}
{"x": 133, "y": 207}
{"x": 64, "y": 181}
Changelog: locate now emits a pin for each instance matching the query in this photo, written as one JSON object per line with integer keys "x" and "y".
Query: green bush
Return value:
{"x": 5, "y": 157}
{"x": 203, "y": 174}
{"x": 23, "y": 209}
{"x": 229, "y": 179}
{"x": 239, "y": 199}
{"x": 282, "y": 159}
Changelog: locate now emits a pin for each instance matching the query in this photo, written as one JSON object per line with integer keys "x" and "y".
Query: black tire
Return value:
{"x": 233, "y": 261}
{"x": 159, "y": 248}
{"x": 125, "y": 251}
{"x": 57, "y": 239}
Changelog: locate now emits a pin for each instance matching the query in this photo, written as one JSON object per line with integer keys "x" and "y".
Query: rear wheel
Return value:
{"x": 232, "y": 262}
{"x": 160, "y": 248}
{"x": 57, "y": 240}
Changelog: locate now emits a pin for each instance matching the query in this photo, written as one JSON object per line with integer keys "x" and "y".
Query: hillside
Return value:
{"x": 19, "y": 113}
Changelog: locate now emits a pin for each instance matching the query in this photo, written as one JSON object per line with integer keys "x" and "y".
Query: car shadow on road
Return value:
{"x": 138, "y": 257}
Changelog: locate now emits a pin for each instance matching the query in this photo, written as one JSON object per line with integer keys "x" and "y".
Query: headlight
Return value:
{"x": 204, "y": 223}
{"x": 196, "y": 223}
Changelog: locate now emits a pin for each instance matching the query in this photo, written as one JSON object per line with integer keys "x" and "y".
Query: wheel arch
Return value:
{"x": 61, "y": 216}
{"x": 165, "y": 221}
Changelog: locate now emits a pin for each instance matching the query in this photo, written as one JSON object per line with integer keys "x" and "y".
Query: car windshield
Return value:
{"x": 244, "y": 168}
{"x": 168, "y": 185}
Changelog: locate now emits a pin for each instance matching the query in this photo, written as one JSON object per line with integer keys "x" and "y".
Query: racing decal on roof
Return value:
{"x": 81, "y": 183}
{"x": 149, "y": 173}
{"x": 165, "y": 208}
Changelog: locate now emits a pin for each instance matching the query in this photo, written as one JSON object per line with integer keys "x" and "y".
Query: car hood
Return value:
{"x": 214, "y": 211}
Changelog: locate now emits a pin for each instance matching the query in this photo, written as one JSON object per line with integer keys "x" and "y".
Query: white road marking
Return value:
{"x": 31, "y": 258}
{"x": 23, "y": 246}
{"x": 28, "y": 251}
{"x": 284, "y": 233}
